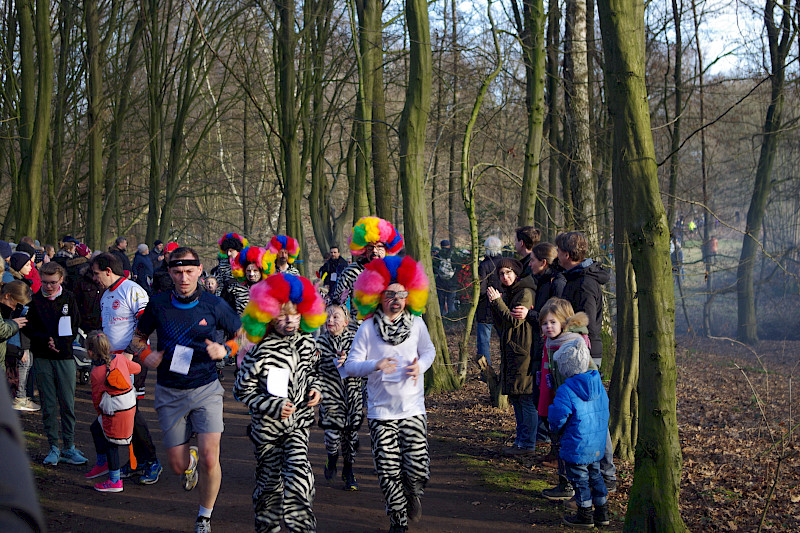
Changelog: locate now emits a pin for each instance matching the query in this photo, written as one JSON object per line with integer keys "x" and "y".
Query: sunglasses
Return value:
{"x": 396, "y": 295}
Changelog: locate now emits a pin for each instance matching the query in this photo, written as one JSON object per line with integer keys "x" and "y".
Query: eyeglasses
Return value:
{"x": 396, "y": 295}
{"x": 58, "y": 282}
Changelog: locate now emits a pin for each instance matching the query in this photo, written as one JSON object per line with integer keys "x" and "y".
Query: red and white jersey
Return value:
{"x": 120, "y": 308}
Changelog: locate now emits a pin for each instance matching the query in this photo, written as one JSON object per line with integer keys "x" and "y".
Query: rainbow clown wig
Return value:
{"x": 378, "y": 274}
{"x": 261, "y": 257}
{"x": 369, "y": 230}
{"x": 282, "y": 242}
{"x": 231, "y": 240}
{"x": 267, "y": 298}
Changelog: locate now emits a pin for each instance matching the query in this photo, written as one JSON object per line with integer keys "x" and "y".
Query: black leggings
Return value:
{"x": 102, "y": 445}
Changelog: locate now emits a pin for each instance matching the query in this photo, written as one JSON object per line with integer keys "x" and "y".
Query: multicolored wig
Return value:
{"x": 261, "y": 257}
{"x": 228, "y": 241}
{"x": 282, "y": 242}
{"x": 378, "y": 274}
{"x": 268, "y": 296}
{"x": 369, "y": 230}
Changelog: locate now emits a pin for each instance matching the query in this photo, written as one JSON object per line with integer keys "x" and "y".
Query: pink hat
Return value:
{"x": 83, "y": 250}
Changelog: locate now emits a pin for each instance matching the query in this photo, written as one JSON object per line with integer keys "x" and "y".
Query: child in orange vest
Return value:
{"x": 114, "y": 398}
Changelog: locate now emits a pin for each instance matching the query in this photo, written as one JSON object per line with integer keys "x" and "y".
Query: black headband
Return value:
{"x": 184, "y": 262}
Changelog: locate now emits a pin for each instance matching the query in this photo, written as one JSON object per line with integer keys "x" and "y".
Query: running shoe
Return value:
{"x": 350, "y": 482}
{"x": 152, "y": 471}
{"x": 72, "y": 456}
{"x": 97, "y": 471}
{"x": 127, "y": 471}
{"x": 414, "y": 508}
{"x": 52, "y": 457}
{"x": 189, "y": 477}
{"x": 26, "y": 404}
{"x": 202, "y": 525}
{"x": 109, "y": 486}
{"x": 330, "y": 468}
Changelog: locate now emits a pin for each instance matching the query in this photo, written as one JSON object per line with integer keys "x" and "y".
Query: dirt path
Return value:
{"x": 457, "y": 499}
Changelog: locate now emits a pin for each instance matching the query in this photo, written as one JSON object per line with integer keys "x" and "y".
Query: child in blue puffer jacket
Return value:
{"x": 579, "y": 413}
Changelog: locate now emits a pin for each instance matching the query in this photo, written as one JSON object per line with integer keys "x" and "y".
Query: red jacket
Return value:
{"x": 114, "y": 398}
{"x": 35, "y": 279}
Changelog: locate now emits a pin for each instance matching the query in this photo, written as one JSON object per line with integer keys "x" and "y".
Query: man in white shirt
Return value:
{"x": 121, "y": 305}
{"x": 393, "y": 348}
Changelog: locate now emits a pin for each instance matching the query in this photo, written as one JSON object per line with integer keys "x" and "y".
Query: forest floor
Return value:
{"x": 734, "y": 415}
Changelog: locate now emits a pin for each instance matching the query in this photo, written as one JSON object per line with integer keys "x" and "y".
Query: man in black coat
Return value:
{"x": 487, "y": 272}
{"x": 120, "y": 251}
{"x": 584, "y": 287}
{"x": 333, "y": 267}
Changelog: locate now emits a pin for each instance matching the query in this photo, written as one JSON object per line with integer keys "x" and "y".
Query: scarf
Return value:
{"x": 55, "y": 294}
{"x": 393, "y": 332}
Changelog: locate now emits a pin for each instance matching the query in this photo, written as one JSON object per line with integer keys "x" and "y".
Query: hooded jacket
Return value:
{"x": 580, "y": 413}
{"x": 487, "y": 272}
{"x": 584, "y": 290}
{"x": 516, "y": 337}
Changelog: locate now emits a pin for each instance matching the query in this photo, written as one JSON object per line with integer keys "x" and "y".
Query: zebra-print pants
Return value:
{"x": 284, "y": 484}
{"x": 344, "y": 441}
{"x": 400, "y": 448}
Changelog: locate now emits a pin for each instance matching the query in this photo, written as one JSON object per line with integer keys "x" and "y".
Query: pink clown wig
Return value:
{"x": 282, "y": 242}
{"x": 378, "y": 274}
{"x": 261, "y": 257}
{"x": 268, "y": 296}
{"x": 369, "y": 230}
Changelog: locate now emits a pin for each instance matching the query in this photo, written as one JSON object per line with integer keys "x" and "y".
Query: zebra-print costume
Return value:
{"x": 284, "y": 481}
{"x": 291, "y": 270}
{"x": 237, "y": 295}
{"x": 344, "y": 291}
{"x": 400, "y": 449}
{"x": 341, "y": 410}
{"x": 223, "y": 270}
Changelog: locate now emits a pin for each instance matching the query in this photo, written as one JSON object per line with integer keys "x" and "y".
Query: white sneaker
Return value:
{"x": 26, "y": 404}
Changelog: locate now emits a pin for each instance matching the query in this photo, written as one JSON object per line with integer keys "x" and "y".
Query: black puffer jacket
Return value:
{"x": 584, "y": 290}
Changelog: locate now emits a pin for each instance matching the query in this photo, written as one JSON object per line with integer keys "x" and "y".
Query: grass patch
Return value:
{"x": 500, "y": 480}
{"x": 495, "y": 434}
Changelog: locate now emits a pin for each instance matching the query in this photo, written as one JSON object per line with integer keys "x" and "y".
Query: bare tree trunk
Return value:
{"x": 530, "y": 32}
{"x": 576, "y": 78}
{"x": 553, "y": 116}
{"x": 412, "y": 170}
{"x": 779, "y": 39}
{"x": 380, "y": 132}
{"x": 154, "y": 51}
{"x": 94, "y": 96}
{"x": 653, "y": 502}
{"x": 675, "y": 130}
{"x": 453, "y": 176}
{"x": 36, "y": 89}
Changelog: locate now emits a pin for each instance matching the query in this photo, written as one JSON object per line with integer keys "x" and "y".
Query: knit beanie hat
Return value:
{"x": 26, "y": 248}
{"x": 572, "y": 358}
{"x": 83, "y": 250}
{"x": 18, "y": 260}
{"x": 5, "y": 250}
{"x": 511, "y": 263}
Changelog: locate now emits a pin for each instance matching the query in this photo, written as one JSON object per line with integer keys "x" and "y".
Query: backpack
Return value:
{"x": 446, "y": 270}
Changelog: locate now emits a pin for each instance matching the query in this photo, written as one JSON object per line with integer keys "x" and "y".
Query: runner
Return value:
{"x": 121, "y": 305}
{"x": 287, "y": 250}
{"x": 373, "y": 238}
{"x": 188, "y": 396}
{"x": 394, "y": 350}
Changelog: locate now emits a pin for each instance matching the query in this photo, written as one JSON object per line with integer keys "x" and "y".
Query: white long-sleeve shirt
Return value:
{"x": 391, "y": 396}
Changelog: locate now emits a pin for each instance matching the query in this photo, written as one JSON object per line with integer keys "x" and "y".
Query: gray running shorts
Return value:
{"x": 182, "y": 412}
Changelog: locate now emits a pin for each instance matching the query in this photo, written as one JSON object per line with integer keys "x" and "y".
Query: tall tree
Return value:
{"x": 779, "y": 41}
{"x": 380, "y": 131}
{"x": 412, "y": 171}
{"x": 577, "y": 130}
{"x": 553, "y": 114}
{"x": 94, "y": 105}
{"x": 36, "y": 89}
{"x": 653, "y": 502}
{"x": 530, "y": 32}
{"x": 675, "y": 127}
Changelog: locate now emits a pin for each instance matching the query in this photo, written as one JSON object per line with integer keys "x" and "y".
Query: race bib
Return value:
{"x": 181, "y": 360}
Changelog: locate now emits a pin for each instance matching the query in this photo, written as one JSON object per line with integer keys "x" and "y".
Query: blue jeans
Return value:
{"x": 484, "y": 338}
{"x": 588, "y": 484}
{"x": 607, "y": 467}
{"x": 527, "y": 418}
